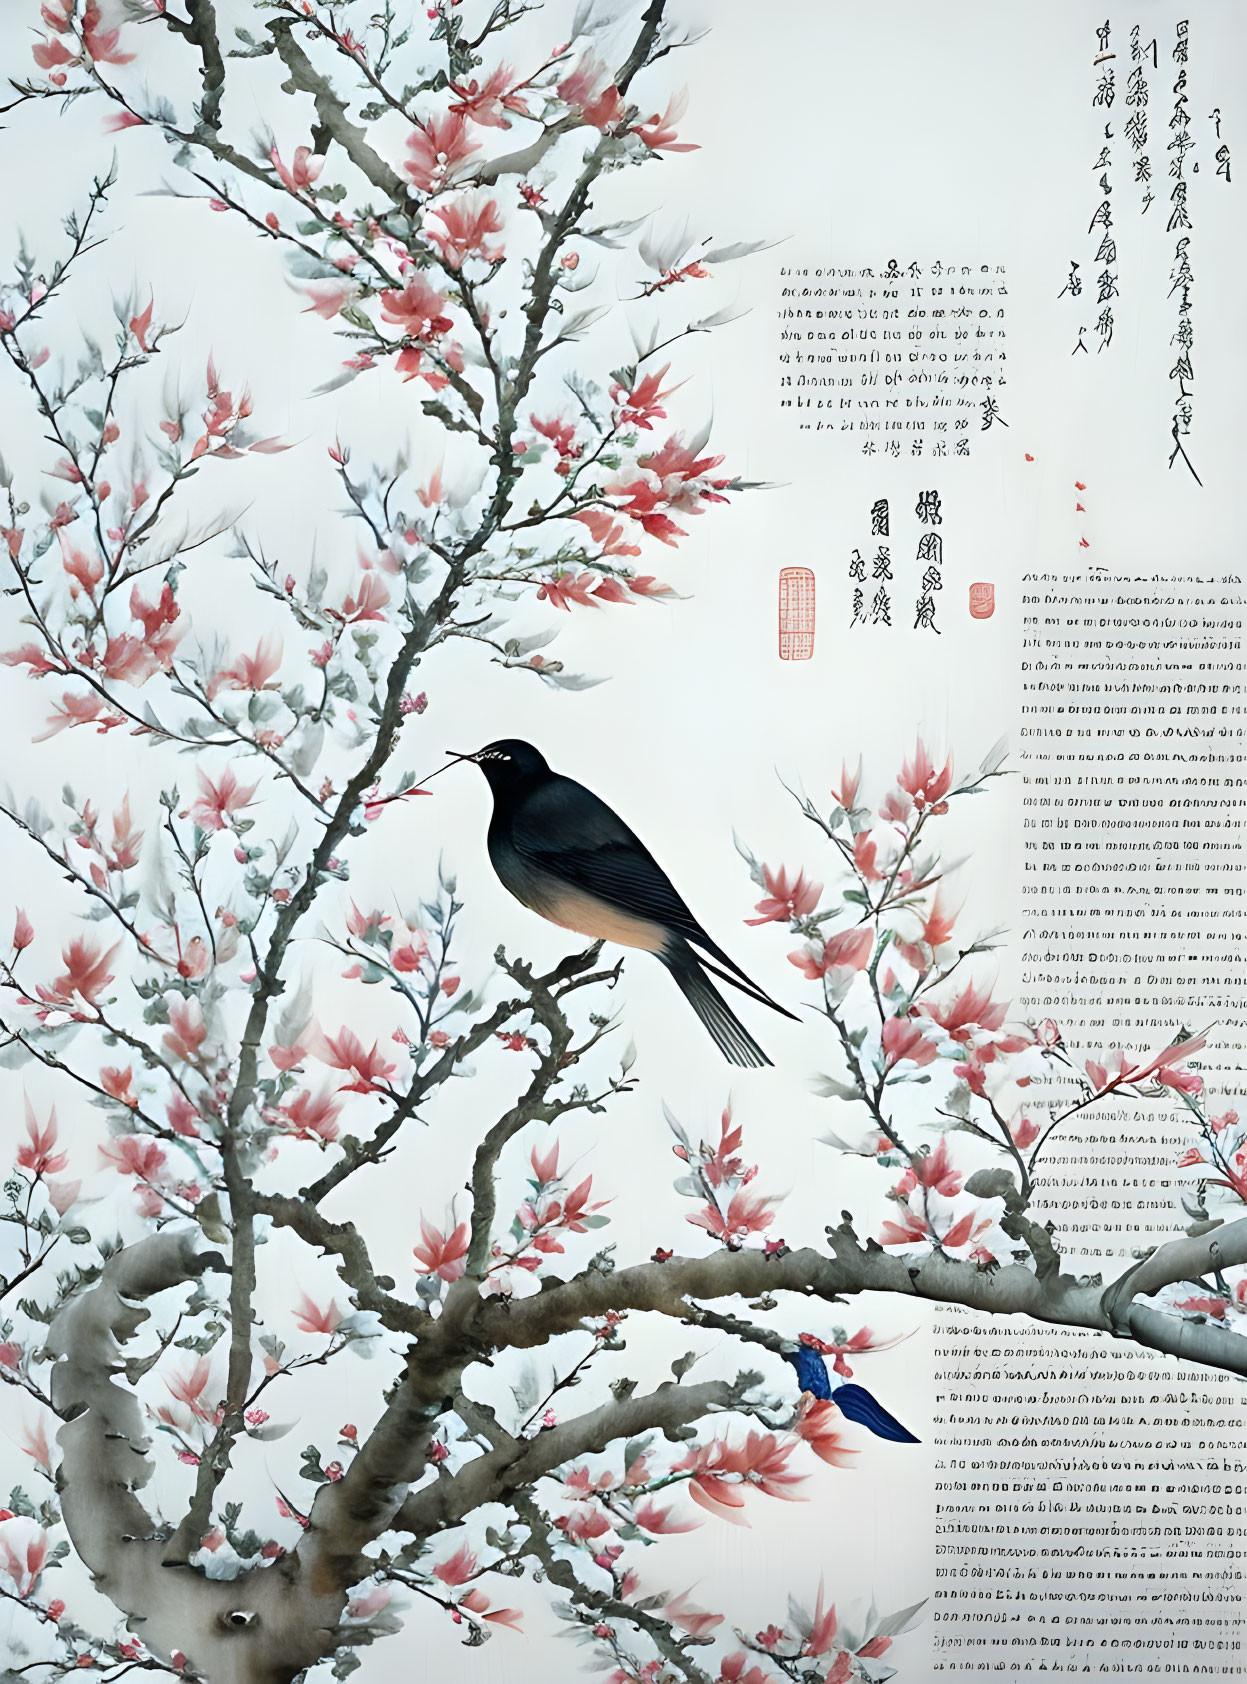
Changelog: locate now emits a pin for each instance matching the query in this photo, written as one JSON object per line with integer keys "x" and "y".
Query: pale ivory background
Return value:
{"x": 853, "y": 133}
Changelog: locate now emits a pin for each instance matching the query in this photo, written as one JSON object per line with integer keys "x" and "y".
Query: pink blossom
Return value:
{"x": 118, "y": 1083}
{"x": 129, "y": 660}
{"x": 865, "y": 849}
{"x": 656, "y": 1518}
{"x": 784, "y": 899}
{"x": 822, "y": 1629}
{"x": 609, "y": 534}
{"x": 1118, "y": 1070}
{"x": 371, "y": 1602}
{"x": 456, "y": 1569}
{"x": 257, "y": 671}
{"x": 40, "y": 1156}
{"x": 909, "y": 1230}
{"x": 973, "y": 1008}
{"x": 747, "y": 1213}
{"x": 34, "y": 1443}
{"x": 156, "y": 616}
{"x": 219, "y": 800}
{"x": 693, "y": 1620}
{"x": 738, "y": 1669}
{"x": 288, "y": 1058}
{"x": 817, "y": 1423}
{"x": 845, "y": 951}
{"x": 345, "y": 1051}
{"x": 101, "y": 44}
{"x": 23, "y": 1550}
{"x": 935, "y": 1171}
{"x": 188, "y": 1387}
{"x": 127, "y": 841}
{"x": 937, "y": 931}
{"x": 140, "y": 327}
{"x": 310, "y": 1318}
{"x": 923, "y": 782}
{"x": 902, "y": 1039}
{"x": 560, "y": 431}
{"x": 577, "y": 89}
{"x": 965, "y": 1229}
{"x": 311, "y": 1116}
{"x": 86, "y": 973}
{"x": 437, "y": 146}
{"x": 668, "y": 478}
{"x": 461, "y": 227}
{"x": 373, "y": 597}
{"x": 30, "y": 655}
{"x": 485, "y": 103}
{"x": 443, "y": 1255}
{"x": 187, "y": 1030}
{"x": 408, "y": 950}
{"x": 897, "y": 808}
{"x": 328, "y": 298}
{"x": 51, "y": 54}
{"x": 845, "y": 792}
{"x": 582, "y": 1522}
{"x": 639, "y": 406}
{"x": 1024, "y": 1132}
{"x": 659, "y": 133}
{"x": 135, "y": 1154}
{"x": 722, "y": 1472}
{"x": 364, "y": 923}
{"x": 302, "y": 172}
{"x": 63, "y": 1195}
{"x": 85, "y": 571}
{"x": 194, "y": 959}
{"x": 77, "y": 710}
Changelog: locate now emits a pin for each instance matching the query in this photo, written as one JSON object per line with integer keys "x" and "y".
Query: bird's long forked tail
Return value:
{"x": 729, "y": 1034}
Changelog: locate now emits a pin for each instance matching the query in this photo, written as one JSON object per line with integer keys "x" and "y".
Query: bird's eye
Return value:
{"x": 238, "y": 1619}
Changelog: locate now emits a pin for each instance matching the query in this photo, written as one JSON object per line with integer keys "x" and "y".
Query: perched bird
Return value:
{"x": 565, "y": 854}
{"x": 854, "y": 1402}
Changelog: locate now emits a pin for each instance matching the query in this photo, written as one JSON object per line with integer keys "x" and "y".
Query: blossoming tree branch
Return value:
{"x": 447, "y": 198}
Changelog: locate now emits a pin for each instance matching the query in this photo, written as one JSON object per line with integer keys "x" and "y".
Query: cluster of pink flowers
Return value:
{"x": 543, "y": 1221}
{"x": 454, "y": 1571}
{"x": 922, "y": 1216}
{"x": 719, "y": 1176}
{"x": 59, "y": 52}
{"x": 672, "y": 480}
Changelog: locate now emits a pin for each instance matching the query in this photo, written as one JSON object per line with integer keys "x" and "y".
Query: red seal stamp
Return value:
{"x": 982, "y": 601}
{"x": 796, "y": 614}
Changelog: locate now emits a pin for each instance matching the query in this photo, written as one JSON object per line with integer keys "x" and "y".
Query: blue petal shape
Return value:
{"x": 856, "y": 1404}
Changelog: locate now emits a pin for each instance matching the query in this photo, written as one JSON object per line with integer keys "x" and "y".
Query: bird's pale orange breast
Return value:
{"x": 575, "y": 910}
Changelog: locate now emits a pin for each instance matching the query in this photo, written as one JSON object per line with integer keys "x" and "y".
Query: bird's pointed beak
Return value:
{"x": 455, "y": 760}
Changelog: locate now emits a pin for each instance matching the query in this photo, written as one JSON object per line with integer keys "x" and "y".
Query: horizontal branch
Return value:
{"x": 491, "y": 1478}
{"x": 672, "y": 1287}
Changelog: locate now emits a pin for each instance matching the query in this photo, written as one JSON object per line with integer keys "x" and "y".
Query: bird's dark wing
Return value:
{"x": 564, "y": 829}
{"x": 811, "y": 1370}
{"x": 856, "y": 1404}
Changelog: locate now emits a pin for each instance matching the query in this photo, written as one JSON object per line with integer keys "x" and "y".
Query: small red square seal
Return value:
{"x": 982, "y": 601}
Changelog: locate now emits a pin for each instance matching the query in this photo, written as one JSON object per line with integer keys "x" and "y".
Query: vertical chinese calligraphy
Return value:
{"x": 872, "y": 577}
{"x": 1141, "y": 86}
{"x": 931, "y": 559}
{"x": 1181, "y": 275}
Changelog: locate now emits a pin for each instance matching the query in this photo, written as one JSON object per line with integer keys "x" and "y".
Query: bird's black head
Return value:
{"x": 510, "y": 765}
